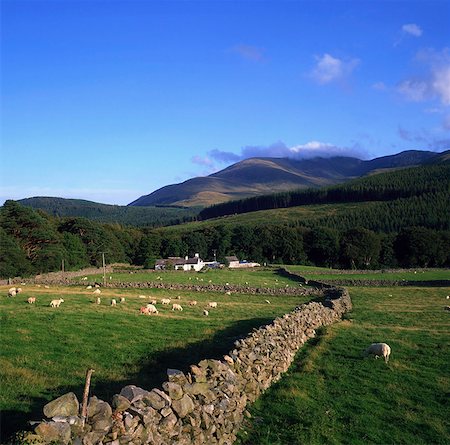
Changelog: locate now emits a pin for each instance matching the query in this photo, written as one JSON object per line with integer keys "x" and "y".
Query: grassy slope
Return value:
{"x": 46, "y": 351}
{"x": 316, "y": 273}
{"x": 251, "y": 277}
{"x": 332, "y": 395}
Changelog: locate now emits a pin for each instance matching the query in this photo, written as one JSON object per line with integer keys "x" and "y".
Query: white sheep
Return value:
{"x": 176, "y": 307}
{"x": 142, "y": 296}
{"x": 113, "y": 302}
{"x": 12, "y": 292}
{"x": 149, "y": 309}
{"x": 18, "y": 290}
{"x": 205, "y": 312}
{"x": 379, "y": 350}
{"x": 122, "y": 299}
{"x": 267, "y": 301}
{"x": 97, "y": 291}
{"x": 193, "y": 303}
{"x": 98, "y": 301}
{"x": 165, "y": 301}
{"x": 56, "y": 303}
{"x": 228, "y": 293}
{"x": 153, "y": 301}
{"x": 89, "y": 287}
{"x": 31, "y": 300}
{"x": 212, "y": 304}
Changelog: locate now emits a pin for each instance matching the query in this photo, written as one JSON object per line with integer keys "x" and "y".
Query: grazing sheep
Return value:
{"x": 165, "y": 301}
{"x": 267, "y": 301}
{"x": 153, "y": 301}
{"x": 89, "y": 287}
{"x": 205, "y": 312}
{"x": 113, "y": 302}
{"x": 176, "y": 307}
{"x": 142, "y": 296}
{"x": 447, "y": 308}
{"x": 149, "y": 309}
{"x": 97, "y": 291}
{"x": 47, "y": 286}
{"x": 56, "y": 303}
{"x": 18, "y": 290}
{"x": 12, "y": 292}
{"x": 31, "y": 300}
{"x": 193, "y": 303}
{"x": 379, "y": 350}
{"x": 212, "y": 304}
{"x": 228, "y": 293}
{"x": 98, "y": 301}
{"x": 447, "y": 297}
{"x": 122, "y": 299}
{"x": 84, "y": 278}
{"x": 178, "y": 298}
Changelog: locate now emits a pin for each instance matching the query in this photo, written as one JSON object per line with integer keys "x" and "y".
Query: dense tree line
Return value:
{"x": 399, "y": 184}
{"x": 154, "y": 216}
{"x": 33, "y": 242}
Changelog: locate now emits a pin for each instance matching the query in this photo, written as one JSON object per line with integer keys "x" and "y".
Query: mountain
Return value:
{"x": 106, "y": 213}
{"x": 257, "y": 176}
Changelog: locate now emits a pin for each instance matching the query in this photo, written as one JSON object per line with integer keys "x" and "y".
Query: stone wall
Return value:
{"x": 204, "y": 406}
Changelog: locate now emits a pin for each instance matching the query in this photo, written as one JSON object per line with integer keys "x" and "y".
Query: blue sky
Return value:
{"x": 110, "y": 100}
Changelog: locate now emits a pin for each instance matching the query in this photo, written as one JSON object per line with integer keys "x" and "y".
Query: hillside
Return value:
{"x": 258, "y": 176}
{"x": 135, "y": 216}
{"x": 393, "y": 184}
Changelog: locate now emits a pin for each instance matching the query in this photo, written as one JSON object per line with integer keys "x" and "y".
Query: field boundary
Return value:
{"x": 206, "y": 405}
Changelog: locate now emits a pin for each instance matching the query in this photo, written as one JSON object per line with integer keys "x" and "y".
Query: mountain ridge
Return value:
{"x": 255, "y": 176}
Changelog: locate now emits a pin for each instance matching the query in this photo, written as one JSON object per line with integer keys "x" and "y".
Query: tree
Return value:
{"x": 418, "y": 247}
{"x": 13, "y": 262}
{"x": 322, "y": 245}
{"x": 360, "y": 248}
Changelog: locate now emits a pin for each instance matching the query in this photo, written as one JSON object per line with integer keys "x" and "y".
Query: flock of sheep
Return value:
{"x": 149, "y": 309}
{"x": 375, "y": 349}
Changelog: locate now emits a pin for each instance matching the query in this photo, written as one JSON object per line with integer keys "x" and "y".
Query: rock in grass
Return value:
{"x": 66, "y": 405}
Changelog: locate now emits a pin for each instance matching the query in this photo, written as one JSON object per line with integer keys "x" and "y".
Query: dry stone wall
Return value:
{"x": 204, "y": 406}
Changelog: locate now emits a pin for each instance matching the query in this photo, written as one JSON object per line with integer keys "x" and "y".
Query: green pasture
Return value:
{"x": 317, "y": 273}
{"x": 333, "y": 395}
{"x": 302, "y": 214}
{"x": 254, "y": 277}
{"x": 45, "y": 351}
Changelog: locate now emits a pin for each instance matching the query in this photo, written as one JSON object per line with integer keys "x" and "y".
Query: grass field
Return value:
{"x": 317, "y": 273}
{"x": 256, "y": 277}
{"x": 332, "y": 395}
{"x": 45, "y": 351}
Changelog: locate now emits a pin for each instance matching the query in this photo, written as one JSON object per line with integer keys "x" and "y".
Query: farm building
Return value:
{"x": 234, "y": 263}
{"x": 178, "y": 263}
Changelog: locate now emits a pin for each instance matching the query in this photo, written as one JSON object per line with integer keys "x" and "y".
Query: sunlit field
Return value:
{"x": 45, "y": 351}
{"x": 333, "y": 395}
{"x": 321, "y": 273}
{"x": 253, "y": 277}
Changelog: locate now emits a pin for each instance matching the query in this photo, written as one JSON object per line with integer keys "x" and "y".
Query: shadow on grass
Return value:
{"x": 151, "y": 374}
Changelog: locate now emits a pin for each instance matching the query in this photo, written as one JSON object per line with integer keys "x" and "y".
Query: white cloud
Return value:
{"x": 412, "y": 29}
{"x": 434, "y": 84}
{"x": 414, "y": 90}
{"x": 308, "y": 150}
{"x": 329, "y": 69}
